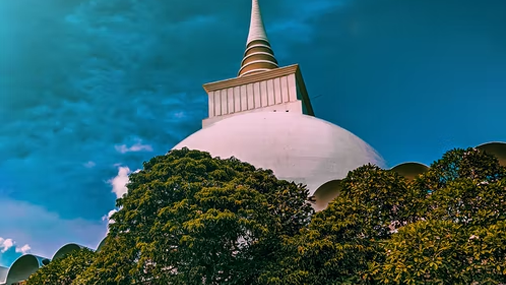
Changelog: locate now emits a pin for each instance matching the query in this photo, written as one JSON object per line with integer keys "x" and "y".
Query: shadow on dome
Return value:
{"x": 325, "y": 194}
{"x": 498, "y": 149}
{"x": 66, "y": 249}
{"x": 23, "y": 267}
{"x": 410, "y": 170}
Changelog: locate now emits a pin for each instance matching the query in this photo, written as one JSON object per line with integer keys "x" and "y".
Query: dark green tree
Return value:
{"x": 464, "y": 186}
{"x": 63, "y": 270}
{"x": 343, "y": 239}
{"x": 459, "y": 237}
{"x": 189, "y": 218}
{"x": 461, "y": 163}
{"x": 425, "y": 252}
{"x": 444, "y": 252}
{"x": 115, "y": 263}
{"x": 445, "y": 227}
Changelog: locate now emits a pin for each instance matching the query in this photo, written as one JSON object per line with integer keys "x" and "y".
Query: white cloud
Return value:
{"x": 108, "y": 219}
{"x": 109, "y": 215}
{"x": 119, "y": 188}
{"x": 24, "y": 249}
{"x": 111, "y": 212}
{"x": 120, "y": 181}
{"x": 134, "y": 148}
{"x": 6, "y": 244}
{"x": 90, "y": 164}
{"x": 180, "y": 114}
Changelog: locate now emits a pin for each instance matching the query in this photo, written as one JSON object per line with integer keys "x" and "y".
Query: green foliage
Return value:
{"x": 64, "y": 270}
{"x": 486, "y": 254}
{"x": 445, "y": 227}
{"x": 341, "y": 240}
{"x": 470, "y": 202}
{"x": 113, "y": 264}
{"x": 425, "y": 252}
{"x": 459, "y": 163}
{"x": 189, "y": 218}
{"x": 458, "y": 234}
{"x": 443, "y": 252}
{"x": 465, "y": 186}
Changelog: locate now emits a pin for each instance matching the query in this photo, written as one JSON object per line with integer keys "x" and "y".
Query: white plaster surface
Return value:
{"x": 251, "y": 96}
{"x": 296, "y": 147}
{"x": 292, "y": 107}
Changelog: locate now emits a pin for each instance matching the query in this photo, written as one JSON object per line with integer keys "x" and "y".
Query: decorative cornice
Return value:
{"x": 238, "y": 81}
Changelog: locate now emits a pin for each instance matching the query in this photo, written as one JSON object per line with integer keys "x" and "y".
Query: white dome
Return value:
{"x": 296, "y": 147}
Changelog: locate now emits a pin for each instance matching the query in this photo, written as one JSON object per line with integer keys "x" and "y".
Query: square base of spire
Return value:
{"x": 277, "y": 90}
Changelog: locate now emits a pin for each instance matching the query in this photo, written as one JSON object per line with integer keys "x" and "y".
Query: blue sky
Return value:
{"x": 91, "y": 89}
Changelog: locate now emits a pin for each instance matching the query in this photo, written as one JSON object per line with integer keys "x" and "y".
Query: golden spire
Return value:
{"x": 258, "y": 56}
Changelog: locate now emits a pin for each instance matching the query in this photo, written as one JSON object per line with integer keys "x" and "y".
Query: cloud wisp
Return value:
{"x": 120, "y": 181}
{"x": 134, "y": 148}
{"x": 119, "y": 187}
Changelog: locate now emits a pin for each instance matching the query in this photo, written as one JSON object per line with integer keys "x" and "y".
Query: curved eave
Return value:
{"x": 498, "y": 149}
{"x": 101, "y": 244}
{"x": 3, "y": 274}
{"x": 491, "y": 143}
{"x": 23, "y": 267}
{"x": 410, "y": 170}
{"x": 327, "y": 192}
{"x": 67, "y": 248}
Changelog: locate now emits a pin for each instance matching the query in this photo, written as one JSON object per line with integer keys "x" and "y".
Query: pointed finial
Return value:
{"x": 258, "y": 56}
{"x": 256, "y": 26}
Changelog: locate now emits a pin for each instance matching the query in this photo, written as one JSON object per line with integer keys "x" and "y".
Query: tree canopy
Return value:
{"x": 343, "y": 239}
{"x": 189, "y": 218}
{"x": 458, "y": 234}
{"x": 445, "y": 227}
